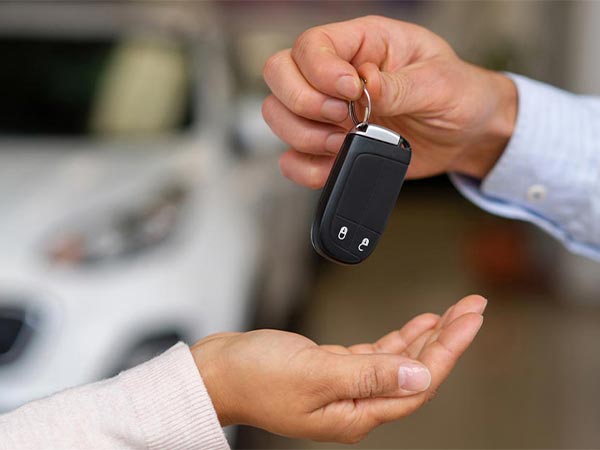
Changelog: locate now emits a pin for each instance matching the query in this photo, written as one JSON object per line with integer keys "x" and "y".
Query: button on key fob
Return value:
{"x": 360, "y": 193}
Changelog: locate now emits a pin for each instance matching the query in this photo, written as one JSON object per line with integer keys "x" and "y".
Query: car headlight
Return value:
{"x": 17, "y": 325}
{"x": 122, "y": 234}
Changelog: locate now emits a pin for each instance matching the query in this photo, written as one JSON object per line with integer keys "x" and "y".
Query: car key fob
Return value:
{"x": 360, "y": 193}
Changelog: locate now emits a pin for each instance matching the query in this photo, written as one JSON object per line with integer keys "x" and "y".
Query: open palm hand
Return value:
{"x": 287, "y": 384}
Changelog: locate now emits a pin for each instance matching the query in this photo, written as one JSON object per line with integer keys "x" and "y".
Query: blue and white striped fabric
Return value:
{"x": 549, "y": 174}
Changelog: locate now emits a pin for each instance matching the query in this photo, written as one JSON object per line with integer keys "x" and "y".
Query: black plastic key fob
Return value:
{"x": 360, "y": 194}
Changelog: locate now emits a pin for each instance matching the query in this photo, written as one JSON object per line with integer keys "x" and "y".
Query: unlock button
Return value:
{"x": 364, "y": 242}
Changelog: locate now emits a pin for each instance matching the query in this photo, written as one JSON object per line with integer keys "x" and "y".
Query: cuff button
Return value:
{"x": 536, "y": 193}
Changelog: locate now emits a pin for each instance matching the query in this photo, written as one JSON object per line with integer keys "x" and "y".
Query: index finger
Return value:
{"x": 440, "y": 357}
{"x": 399, "y": 340}
{"x": 328, "y": 55}
{"x": 324, "y": 66}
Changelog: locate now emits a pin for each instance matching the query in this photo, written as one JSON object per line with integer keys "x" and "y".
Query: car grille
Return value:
{"x": 15, "y": 333}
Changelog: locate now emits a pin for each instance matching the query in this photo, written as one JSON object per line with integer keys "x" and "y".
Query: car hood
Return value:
{"x": 44, "y": 185}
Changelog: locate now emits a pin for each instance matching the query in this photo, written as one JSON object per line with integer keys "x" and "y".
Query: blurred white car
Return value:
{"x": 128, "y": 220}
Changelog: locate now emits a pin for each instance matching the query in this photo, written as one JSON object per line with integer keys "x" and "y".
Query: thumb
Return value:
{"x": 375, "y": 375}
{"x": 408, "y": 90}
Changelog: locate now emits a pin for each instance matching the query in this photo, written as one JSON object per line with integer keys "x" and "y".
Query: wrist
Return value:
{"x": 482, "y": 154}
{"x": 209, "y": 364}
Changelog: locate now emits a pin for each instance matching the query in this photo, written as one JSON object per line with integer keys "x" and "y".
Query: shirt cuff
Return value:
{"x": 172, "y": 405}
{"x": 546, "y": 173}
{"x": 537, "y": 166}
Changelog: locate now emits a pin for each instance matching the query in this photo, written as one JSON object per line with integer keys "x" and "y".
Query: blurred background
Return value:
{"x": 141, "y": 204}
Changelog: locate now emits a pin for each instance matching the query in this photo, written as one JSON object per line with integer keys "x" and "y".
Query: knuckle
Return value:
{"x": 302, "y": 141}
{"x": 313, "y": 178}
{"x": 267, "y": 108}
{"x": 268, "y": 68}
{"x": 303, "y": 43}
{"x": 401, "y": 88}
{"x": 311, "y": 140}
{"x": 272, "y": 65}
{"x": 297, "y": 102}
{"x": 440, "y": 75}
{"x": 320, "y": 73}
{"x": 283, "y": 167}
{"x": 369, "y": 382}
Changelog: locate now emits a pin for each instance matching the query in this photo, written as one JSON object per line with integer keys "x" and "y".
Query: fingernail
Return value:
{"x": 348, "y": 86}
{"x": 414, "y": 377}
{"x": 334, "y": 110}
{"x": 483, "y": 305}
{"x": 334, "y": 142}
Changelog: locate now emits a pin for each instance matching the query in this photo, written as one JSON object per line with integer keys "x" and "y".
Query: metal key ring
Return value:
{"x": 351, "y": 108}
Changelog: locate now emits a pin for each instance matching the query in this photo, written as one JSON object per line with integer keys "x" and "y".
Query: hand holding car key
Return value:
{"x": 459, "y": 117}
{"x": 361, "y": 190}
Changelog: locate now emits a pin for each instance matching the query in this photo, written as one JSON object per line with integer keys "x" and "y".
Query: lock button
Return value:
{"x": 364, "y": 242}
{"x": 342, "y": 232}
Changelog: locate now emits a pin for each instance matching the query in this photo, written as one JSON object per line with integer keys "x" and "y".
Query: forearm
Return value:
{"x": 162, "y": 404}
{"x": 549, "y": 173}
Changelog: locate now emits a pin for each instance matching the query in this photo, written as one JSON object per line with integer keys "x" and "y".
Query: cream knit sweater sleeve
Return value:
{"x": 159, "y": 405}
